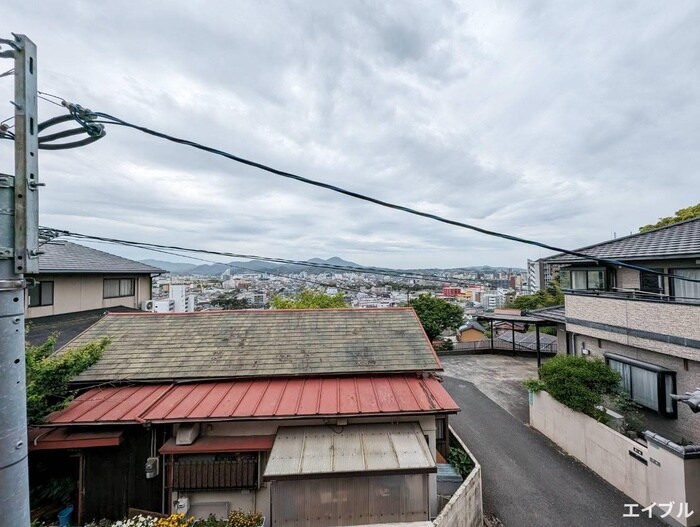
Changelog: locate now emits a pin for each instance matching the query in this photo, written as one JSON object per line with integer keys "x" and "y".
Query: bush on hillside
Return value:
{"x": 577, "y": 382}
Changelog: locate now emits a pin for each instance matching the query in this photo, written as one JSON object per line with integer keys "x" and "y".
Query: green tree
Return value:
{"x": 228, "y": 301}
{"x": 309, "y": 299}
{"x": 550, "y": 296}
{"x": 687, "y": 213}
{"x": 48, "y": 375}
{"x": 436, "y": 314}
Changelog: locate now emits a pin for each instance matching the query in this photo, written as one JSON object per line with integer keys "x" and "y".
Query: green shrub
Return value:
{"x": 577, "y": 382}
{"x": 461, "y": 461}
{"x": 49, "y": 373}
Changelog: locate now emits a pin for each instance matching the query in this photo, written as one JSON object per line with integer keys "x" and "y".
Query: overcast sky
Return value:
{"x": 559, "y": 121}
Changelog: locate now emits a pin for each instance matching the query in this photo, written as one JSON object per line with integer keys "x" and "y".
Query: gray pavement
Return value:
{"x": 499, "y": 377}
{"x": 527, "y": 480}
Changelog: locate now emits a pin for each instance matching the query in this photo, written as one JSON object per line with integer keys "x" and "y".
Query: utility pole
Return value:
{"x": 19, "y": 206}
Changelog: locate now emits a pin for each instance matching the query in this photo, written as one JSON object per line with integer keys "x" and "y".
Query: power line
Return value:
{"x": 84, "y": 117}
{"x": 304, "y": 280}
{"x": 54, "y": 233}
{"x": 49, "y": 100}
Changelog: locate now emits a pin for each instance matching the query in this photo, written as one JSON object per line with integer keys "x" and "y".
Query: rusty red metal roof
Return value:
{"x": 220, "y": 444}
{"x": 258, "y": 398}
{"x": 65, "y": 437}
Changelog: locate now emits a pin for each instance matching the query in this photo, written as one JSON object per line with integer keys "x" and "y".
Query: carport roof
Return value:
{"x": 370, "y": 448}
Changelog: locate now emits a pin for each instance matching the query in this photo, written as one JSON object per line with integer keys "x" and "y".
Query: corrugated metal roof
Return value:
{"x": 276, "y": 398}
{"x": 315, "y": 450}
{"x": 66, "y": 437}
{"x": 674, "y": 241}
{"x": 554, "y": 314}
{"x": 258, "y": 343}
{"x": 66, "y": 257}
{"x": 218, "y": 444}
{"x": 528, "y": 339}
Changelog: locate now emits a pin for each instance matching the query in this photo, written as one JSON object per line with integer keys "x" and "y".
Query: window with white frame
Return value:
{"x": 647, "y": 384}
{"x": 117, "y": 287}
{"x": 686, "y": 290}
{"x": 583, "y": 279}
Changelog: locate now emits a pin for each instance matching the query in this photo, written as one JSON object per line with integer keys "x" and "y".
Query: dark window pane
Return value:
{"x": 35, "y": 295}
{"x": 565, "y": 279}
{"x": 595, "y": 280}
{"x": 650, "y": 282}
{"x": 111, "y": 288}
{"x": 46, "y": 293}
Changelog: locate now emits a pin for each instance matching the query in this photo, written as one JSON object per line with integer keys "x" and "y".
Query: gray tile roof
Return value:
{"x": 67, "y": 257}
{"x": 681, "y": 240}
{"x": 471, "y": 324}
{"x": 67, "y": 326}
{"x": 554, "y": 314}
{"x": 252, "y": 343}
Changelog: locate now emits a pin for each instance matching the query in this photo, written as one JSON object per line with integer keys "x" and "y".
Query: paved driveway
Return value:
{"x": 527, "y": 480}
{"x": 499, "y": 377}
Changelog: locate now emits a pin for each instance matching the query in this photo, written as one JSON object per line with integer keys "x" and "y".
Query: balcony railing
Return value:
{"x": 634, "y": 294}
{"x": 237, "y": 473}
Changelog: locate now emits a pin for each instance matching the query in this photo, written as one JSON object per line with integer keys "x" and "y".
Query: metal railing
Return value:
{"x": 238, "y": 473}
{"x": 634, "y": 294}
{"x": 498, "y": 344}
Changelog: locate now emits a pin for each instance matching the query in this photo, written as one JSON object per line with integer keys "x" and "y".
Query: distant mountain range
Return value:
{"x": 269, "y": 267}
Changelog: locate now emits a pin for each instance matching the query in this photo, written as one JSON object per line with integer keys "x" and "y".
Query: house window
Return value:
{"x": 116, "y": 287}
{"x": 683, "y": 290}
{"x": 648, "y": 385}
{"x": 583, "y": 279}
{"x": 651, "y": 282}
{"x": 215, "y": 472}
{"x": 41, "y": 294}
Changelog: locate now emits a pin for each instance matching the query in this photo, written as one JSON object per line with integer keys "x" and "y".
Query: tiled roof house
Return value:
{"x": 74, "y": 278}
{"x": 260, "y": 410}
{"x": 644, "y": 321}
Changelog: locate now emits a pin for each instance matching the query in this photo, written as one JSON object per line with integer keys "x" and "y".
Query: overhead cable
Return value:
{"x": 110, "y": 119}
{"x": 48, "y": 233}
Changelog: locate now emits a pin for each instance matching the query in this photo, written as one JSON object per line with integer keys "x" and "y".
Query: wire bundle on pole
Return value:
{"x": 77, "y": 113}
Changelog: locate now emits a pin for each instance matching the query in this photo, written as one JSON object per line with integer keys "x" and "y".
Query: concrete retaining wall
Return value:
{"x": 465, "y": 508}
{"x": 660, "y": 473}
{"x": 614, "y": 457}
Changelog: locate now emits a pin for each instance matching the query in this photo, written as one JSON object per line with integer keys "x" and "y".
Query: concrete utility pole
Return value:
{"x": 19, "y": 206}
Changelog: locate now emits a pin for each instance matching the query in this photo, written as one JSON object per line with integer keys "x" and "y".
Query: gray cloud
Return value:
{"x": 559, "y": 121}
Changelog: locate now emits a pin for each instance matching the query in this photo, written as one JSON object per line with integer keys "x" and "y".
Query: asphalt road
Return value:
{"x": 527, "y": 481}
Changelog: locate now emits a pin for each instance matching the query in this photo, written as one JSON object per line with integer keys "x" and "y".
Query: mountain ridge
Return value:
{"x": 270, "y": 267}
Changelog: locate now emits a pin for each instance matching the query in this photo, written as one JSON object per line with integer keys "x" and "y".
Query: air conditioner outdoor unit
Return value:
{"x": 147, "y": 305}
{"x": 187, "y": 433}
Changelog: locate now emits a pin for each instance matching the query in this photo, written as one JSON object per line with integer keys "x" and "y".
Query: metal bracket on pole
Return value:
{"x": 26, "y": 159}
{"x": 18, "y": 242}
